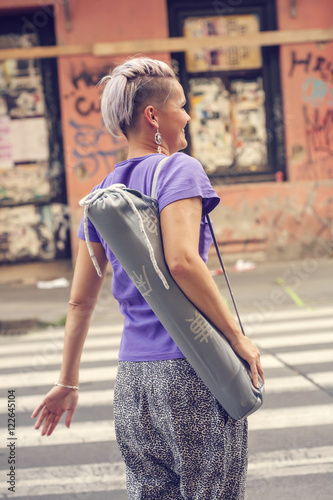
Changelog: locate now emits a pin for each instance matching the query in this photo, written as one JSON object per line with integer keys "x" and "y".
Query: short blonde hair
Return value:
{"x": 129, "y": 88}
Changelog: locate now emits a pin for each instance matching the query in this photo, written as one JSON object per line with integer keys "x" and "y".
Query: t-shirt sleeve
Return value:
{"x": 184, "y": 177}
{"x": 93, "y": 234}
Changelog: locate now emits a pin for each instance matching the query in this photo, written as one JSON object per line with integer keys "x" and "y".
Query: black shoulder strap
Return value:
{"x": 224, "y": 271}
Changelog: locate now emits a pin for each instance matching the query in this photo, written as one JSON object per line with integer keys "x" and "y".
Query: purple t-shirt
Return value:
{"x": 144, "y": 338}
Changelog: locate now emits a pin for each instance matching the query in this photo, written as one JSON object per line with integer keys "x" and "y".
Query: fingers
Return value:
{"x": 261, "y": 372}
{"x": 37, "y": 410}
{"x": 69, "y": 418}
{"x": 41, "y": 417}
{"x": 51, "y": 421}
{"x": 53, "y": 424}
{"x": 255, "y": 379}
{"x": 256, "y": 371}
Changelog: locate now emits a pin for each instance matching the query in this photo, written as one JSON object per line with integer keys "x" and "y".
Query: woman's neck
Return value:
{"x": 143, "y": 148}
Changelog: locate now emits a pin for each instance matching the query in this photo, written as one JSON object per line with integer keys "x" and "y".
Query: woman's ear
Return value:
{"x": 150, "y": 116}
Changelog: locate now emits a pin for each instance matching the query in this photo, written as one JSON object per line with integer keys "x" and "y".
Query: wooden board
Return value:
{"x": 177, "y": 44}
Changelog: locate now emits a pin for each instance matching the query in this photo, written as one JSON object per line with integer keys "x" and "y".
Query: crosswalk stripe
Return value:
{"x": 324, "y": 379}
{"x": 105, "y": 397}
{"x": 294, "y": 340}
{"x": 75, "y": 480}
{"x": 55, "y": 344}
{"x": 299, "y": 416}
{"x": 106, "y": 476}
{"x": 290, "y": 471}
{"x": 296, "y": 456}
{"x": 40, "y": 361}
{"x": 265, "y": 328}
{"x": 280, "y": 385}
{"x": 307, "y": 357}
{"x": 310, "y": 461}
{"x": 260, "y": 314}
{"x": 28, "y": 369}
{"x": 87, "y": 399}
{"x": 45, "y": 353}
{"x": 79, "y": 432}
{"x": 103, "y": 430}
{"x": 294, "y": 462}
{"x": 28, "y": 378}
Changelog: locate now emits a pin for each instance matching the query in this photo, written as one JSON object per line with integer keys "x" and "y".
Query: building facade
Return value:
{"x": 261, "y": 121}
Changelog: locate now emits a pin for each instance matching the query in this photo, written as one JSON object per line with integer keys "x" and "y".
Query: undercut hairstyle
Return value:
{"x": 132, "y": 86}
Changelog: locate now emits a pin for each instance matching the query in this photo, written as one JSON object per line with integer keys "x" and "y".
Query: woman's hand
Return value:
{"x": 245, "y": 349}
{"x": 56, "y": 402}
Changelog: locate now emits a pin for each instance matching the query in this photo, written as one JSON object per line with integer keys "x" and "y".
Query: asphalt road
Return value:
{"x": 290, "y": 438}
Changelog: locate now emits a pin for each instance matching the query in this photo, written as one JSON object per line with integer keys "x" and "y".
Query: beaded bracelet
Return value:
{"x": 73, "y": 387}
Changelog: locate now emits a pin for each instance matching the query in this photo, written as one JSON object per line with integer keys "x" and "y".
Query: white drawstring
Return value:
{"x": 89, "y": 200}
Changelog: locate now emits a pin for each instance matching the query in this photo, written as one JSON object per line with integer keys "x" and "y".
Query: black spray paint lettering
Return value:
{"x": 311, "y": 63}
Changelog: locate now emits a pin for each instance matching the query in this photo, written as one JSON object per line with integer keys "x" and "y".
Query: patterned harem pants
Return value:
{"x": 175, "y": 438}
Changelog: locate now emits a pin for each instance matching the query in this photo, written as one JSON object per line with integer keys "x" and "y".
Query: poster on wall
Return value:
{"x": 6, "y": 143}
{"x": 210, "y": 123}
{"x": 227, "y": 127}
{"x": 34, "y": 232}
{"x": 249, "y": 125}
{"x": 32, "y": 140}
{"x": 222, "y": 59}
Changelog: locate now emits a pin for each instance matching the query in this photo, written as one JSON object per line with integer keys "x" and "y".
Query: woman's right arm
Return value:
{"x": 85, "y": 289}
{"x": 180, "y": 226}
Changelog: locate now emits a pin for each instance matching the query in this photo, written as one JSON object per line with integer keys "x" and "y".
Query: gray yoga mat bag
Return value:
{"x": 129, "y": 223}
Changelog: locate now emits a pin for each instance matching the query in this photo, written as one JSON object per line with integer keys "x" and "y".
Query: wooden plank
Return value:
{"x": 46, "y": 52}
{"x": 177, "y": 44}
{"x": 181, "y": 44}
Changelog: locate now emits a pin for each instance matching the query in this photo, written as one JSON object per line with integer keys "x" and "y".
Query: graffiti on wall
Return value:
{"x": 93, "y": 150}
{"x": 32, "y": 232}
{"x": 315, "y": 157}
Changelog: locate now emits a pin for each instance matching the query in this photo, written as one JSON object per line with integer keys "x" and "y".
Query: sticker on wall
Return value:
{"x": 210, "y": 123}
{"x": 232, "y": 57}
{"x": 228, "y": 133}
{"x": 248, "y": 125}
{"x": 34, "y": 232}
{"x": 33, "y": 140}
{"x": 6, "y": 143}
{"x": 25, "y": 184}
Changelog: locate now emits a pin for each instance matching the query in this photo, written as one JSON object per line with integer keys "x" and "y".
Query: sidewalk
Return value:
{"x": 24, "y": 306}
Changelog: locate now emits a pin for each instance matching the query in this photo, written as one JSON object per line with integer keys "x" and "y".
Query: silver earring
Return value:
{"x": 158, "y": 140}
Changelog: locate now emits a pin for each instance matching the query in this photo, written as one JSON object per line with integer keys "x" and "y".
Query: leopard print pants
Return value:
{"x": 175, "y": 438}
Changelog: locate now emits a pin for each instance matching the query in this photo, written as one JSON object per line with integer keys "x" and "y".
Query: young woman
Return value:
{"x": 176, "y": 439}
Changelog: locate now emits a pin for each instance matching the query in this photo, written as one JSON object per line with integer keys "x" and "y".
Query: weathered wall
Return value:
{"x": 30, "y": 163}
{"x": 276, "y": 221}
{"x": 90, "y": 152}
{"x": 290, "y": 219}
{"x": 271, "y": 220}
